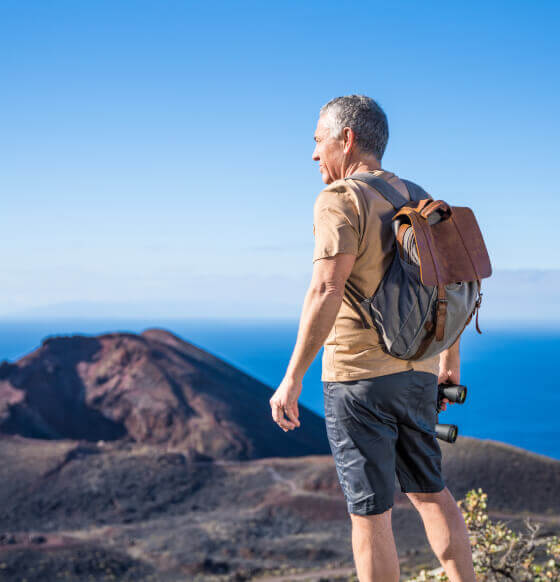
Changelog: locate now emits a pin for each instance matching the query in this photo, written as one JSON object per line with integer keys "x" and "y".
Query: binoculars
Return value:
{"x": 453, "y": 393}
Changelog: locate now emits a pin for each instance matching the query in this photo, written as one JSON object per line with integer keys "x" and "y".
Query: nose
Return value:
{"x": 315, "y": 155}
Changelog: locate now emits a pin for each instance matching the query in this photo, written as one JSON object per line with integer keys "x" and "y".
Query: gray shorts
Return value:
{"x": 381, "y": 426}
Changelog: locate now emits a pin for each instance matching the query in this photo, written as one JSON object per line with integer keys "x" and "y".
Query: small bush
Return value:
{"x": 499, "y": 554}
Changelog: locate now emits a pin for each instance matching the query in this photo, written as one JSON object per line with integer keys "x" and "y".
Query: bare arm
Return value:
{"x": 320, "y": 308}
{"x": 450, "y": 367}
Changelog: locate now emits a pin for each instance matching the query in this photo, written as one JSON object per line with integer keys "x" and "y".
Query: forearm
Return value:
{"x": 451, "y": 352}
{"x": 320, "y": 308}
{"x": 450, "y": 365}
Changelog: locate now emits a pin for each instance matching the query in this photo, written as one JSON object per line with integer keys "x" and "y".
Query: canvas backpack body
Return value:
{"x": 431, "y": 289}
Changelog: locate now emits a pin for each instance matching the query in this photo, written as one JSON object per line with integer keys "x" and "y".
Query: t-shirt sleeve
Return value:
{"x": 335, "y": 224}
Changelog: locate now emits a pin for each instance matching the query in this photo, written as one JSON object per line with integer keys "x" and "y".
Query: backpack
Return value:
{"x": 431, "y": 289}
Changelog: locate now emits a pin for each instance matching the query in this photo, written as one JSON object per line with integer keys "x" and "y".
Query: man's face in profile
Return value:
{"x": 328, "y": 152}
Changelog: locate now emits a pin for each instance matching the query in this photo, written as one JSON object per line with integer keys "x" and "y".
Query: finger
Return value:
{"x": 278, "y": 416}
{"x": 276, "y": 411}
{"x": 288, "y": 423}
{"x": 292, "y": 415}
{"x": 287, "y": 419}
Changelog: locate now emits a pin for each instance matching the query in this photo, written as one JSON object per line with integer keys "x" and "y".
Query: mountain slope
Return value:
{"x": 151, "y": 388}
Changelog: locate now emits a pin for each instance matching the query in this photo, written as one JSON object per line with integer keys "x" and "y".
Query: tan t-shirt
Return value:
{"x": 351, "y": 217}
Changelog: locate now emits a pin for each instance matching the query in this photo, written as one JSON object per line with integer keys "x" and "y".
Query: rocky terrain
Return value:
{"x": 109, "y": 471}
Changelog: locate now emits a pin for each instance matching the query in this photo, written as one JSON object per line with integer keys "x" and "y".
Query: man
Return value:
{"x": 380, "y": 411}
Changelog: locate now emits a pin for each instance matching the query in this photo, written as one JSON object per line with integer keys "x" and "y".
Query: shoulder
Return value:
{"x": 413, "y": 190}
{"x": 339, "y": 193}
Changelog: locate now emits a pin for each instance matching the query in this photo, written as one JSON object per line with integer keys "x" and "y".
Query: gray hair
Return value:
{"x": 364, "y": 116}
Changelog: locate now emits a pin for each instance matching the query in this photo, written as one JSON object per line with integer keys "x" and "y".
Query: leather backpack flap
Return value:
{"x": 467, "y": 226}
{"x": 451, "y": 250}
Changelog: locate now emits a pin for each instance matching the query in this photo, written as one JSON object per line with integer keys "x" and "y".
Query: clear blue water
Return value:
{"x": 511, "y": 375}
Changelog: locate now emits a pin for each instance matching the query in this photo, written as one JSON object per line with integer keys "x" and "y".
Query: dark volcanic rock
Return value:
{"x": 159, "y": 516}
{"x": 513, "y": 478}
{"x": 98, "y": 486}
{"x": 73, "y": 562}
{"x": 153, "y": 388}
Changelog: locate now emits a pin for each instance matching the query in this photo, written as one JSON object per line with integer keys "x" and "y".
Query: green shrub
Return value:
{"x": 500, "y": 554}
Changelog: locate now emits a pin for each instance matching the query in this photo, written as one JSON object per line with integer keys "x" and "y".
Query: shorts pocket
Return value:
{"x": 425, "y": 413}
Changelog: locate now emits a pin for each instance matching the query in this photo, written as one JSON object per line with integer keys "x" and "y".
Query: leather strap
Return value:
{"x": 441, "y": 312}
{"x": 408, "y": 210}
{"x": 477, "y": 305}
{"x": 429, "y": 326}
{"x": 400, "y": 236}
{"x": 435, "y": 206}
{"x": 430, "y": 269}
{"x": 441, "y": 309}
{"x": 425, "y": 343}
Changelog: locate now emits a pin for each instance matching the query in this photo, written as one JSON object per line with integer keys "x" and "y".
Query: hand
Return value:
{"x": 449, "y": 372}
{"x": 284, "y": 401}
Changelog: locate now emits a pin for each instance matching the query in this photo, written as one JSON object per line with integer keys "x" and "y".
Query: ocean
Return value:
{"x": 513, "y": 392}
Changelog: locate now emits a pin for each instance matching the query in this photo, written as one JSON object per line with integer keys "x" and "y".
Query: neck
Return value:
{"x": 358, "y": 166}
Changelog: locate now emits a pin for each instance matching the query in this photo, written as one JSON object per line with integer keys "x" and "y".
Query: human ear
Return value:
{"x": 349, "y": 137}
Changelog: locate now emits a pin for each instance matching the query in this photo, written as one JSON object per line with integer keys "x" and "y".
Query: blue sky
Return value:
{"x": 156, "y": 156}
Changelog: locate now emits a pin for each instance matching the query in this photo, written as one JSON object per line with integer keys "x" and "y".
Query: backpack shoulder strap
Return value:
{"x": 415, "y": 192}
{"x": 390, "y": 194}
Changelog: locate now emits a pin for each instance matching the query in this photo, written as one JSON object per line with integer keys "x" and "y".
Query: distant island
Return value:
{"x": 144, "y": 457}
